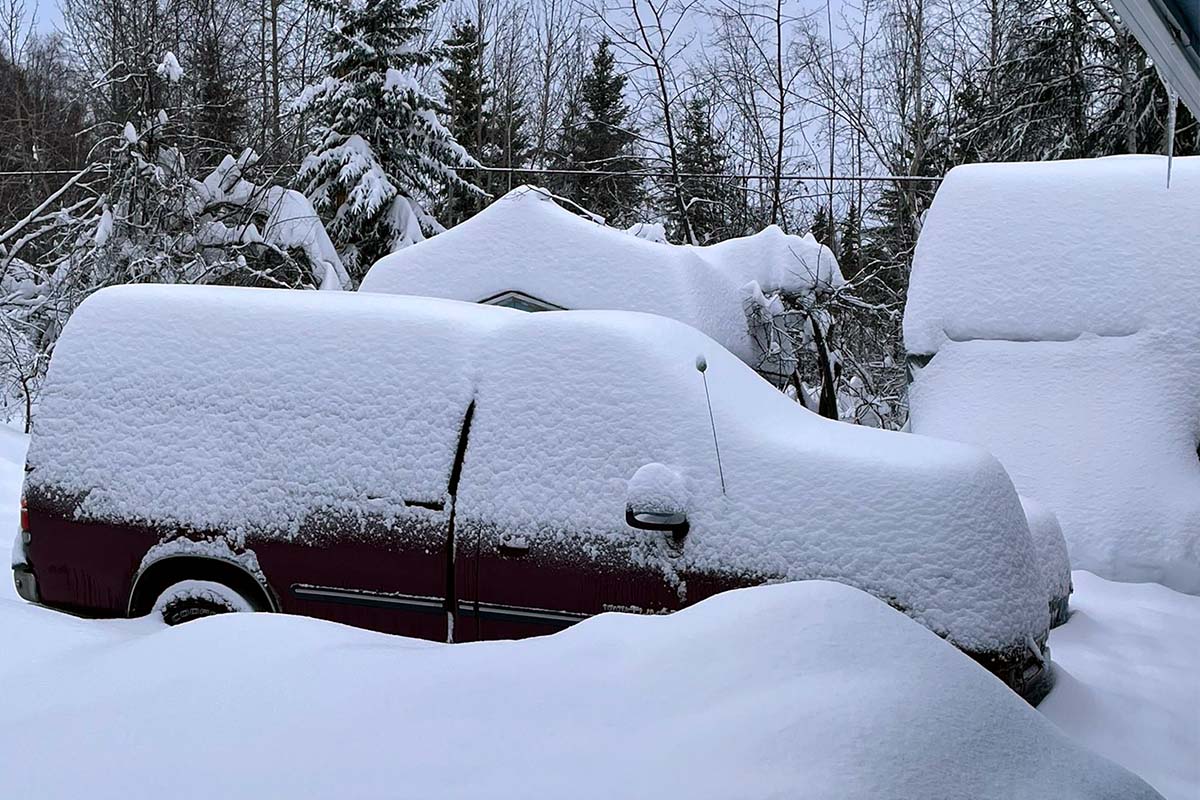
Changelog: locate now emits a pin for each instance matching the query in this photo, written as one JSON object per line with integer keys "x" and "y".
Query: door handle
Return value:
{"x": 514, "y": 545}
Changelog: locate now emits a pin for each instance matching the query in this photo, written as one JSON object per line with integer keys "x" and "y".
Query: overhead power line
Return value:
{"x": 597, "y": 173}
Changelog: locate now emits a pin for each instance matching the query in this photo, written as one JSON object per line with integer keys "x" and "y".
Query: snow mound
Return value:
{"x": 1059, "y": 299}
{"x": 748, "y": 695}
{"x": 221, "y": 408}
{"x": 526, "y": 242}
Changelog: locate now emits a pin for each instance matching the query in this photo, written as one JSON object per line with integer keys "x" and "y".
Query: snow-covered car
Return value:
{"x": 525, "y": 251}
{"x": 1066, "y": 341}
{"x": 461, "y": 472}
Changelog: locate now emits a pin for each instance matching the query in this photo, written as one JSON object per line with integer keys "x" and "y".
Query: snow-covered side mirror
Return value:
{"x": 656, "y": 500}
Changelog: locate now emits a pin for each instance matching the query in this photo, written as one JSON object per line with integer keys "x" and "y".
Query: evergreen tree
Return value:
{"x": 888, "y": 244}
{"x": 379, "y": 155}
{"x": 823, "y": 227}
{"x": 713, "y": 200}
{"x": 468, "y": 118}
{"x": 851, "y": 242}
{"x": 598, "y": 135}
{"x": 510, "y": 143}
{"x": 221, "y": 105}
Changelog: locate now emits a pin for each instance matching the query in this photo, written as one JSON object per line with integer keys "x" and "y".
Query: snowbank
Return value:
{"x": 813, "y": 688}
{"x": 526, "y": 242}
{"x": 1060, "y": 301}
{"x": 222, "y": 408}
{"x": 1127, "y": 685}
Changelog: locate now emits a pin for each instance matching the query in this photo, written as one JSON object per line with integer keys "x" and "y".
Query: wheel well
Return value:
{"x": 158, "y": 576}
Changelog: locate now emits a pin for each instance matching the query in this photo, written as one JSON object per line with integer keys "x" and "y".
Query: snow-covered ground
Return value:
{"x": 810, "y": 687}
{"x": 1129, "y": 679}
{"x": 107, "y": 706}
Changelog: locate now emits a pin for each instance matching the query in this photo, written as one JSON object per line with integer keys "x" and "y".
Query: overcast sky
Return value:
{"x": 49, "y": 17}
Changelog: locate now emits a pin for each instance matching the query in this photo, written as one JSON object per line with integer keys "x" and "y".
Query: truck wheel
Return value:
{"x": 189, "y": 600}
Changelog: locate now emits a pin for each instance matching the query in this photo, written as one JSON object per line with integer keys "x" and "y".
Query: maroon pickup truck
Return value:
{"x": 459, "y": 472}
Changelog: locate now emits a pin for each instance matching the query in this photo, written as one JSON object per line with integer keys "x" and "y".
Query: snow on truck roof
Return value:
{"x": 238, "y": 409}
{"x": 525, "y": 242}
{"x": 1055, "y": 250}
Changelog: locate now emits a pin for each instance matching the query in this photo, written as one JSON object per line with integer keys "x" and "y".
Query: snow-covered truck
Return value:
{"x": 455, "y": 471}
{"x": 1052, "y": 318}
{"x": 526, "y": 251}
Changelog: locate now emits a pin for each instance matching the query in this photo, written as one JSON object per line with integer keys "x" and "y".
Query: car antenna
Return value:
{"x": 702, "y": 368}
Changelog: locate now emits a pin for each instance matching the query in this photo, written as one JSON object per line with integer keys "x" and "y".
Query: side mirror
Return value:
{"x": 672, "y": 522}
{"x": 656, "y": 500}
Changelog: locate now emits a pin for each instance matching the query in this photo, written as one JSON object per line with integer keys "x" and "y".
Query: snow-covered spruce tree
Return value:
{"x": 468, "y": 114}
{"x": 712, "y": 200}
{"x": 598, "y": 135}
{"x": 379, "y": 156}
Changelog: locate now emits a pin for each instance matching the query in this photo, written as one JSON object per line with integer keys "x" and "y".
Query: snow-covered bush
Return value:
{"x": 139, "y": 216}
{"x": 159, "y": 224}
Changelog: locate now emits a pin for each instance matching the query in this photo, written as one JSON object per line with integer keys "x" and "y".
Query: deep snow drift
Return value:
{"x": 1058, "y": 301}
{"x": 526, "y": 242}
{"x": 1127, "y": 683}
{"x": 219, "y": 408}
{"x": 808, "y": 687}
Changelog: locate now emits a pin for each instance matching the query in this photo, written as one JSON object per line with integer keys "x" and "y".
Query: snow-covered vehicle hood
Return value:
{"x": 240, "y": 409}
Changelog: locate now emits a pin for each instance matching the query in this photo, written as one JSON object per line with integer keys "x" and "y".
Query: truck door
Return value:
{"x": 520, "y": 572}
{"x": 387, "y": 570}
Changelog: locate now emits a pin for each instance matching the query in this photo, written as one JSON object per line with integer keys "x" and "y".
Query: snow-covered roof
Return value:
{"x": 807, "y": 690}
{"x": 526, "y": 242}
{"x": 227, "y": 409}
{"x": 1053, "y": 250}
{"x": 1169, "y": 30}
{"x": 1061, "y": 302}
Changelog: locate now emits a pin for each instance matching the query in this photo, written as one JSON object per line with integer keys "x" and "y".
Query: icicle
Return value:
{"x": 1172, "y": 108}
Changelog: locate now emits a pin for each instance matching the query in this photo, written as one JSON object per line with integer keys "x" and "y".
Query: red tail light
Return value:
{"x": 24, "y": 515}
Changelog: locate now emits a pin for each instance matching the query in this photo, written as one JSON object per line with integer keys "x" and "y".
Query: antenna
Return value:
{"x": 702, "y": 368}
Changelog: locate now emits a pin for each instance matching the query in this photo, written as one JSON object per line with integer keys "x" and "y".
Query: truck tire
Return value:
{"x": 188, "y": 600}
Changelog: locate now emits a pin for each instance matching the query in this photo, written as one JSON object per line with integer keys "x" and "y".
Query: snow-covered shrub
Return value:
{"x": 825, "y": 347}
{"x": 138, "y": 216}
{"x": 160, "y": 224}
